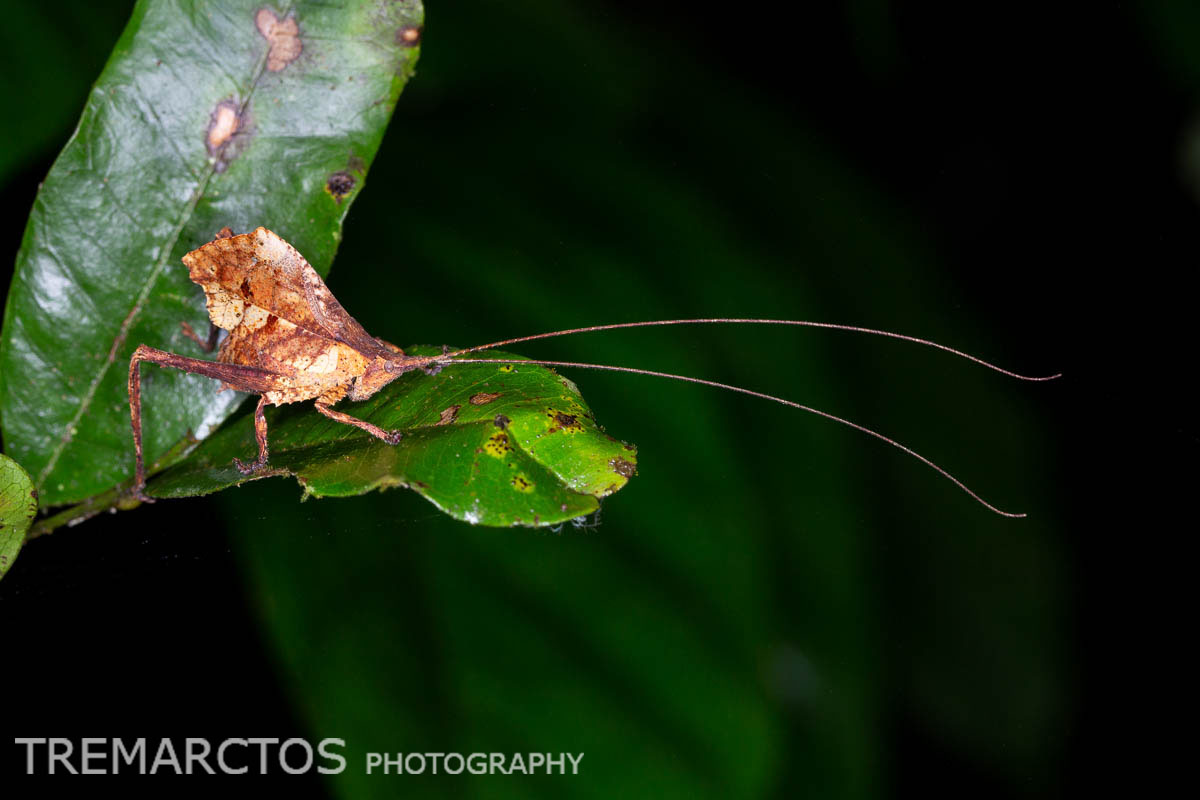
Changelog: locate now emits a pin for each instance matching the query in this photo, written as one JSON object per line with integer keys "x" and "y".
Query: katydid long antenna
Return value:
{"x": 742, "y": 321}
{"x": 455, "y": 358}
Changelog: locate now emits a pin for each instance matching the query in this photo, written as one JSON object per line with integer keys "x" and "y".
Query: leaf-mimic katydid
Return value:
{"x": 289, "y": 340}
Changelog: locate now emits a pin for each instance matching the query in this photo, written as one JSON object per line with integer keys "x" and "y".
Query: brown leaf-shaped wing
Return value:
{"x": 261, "y": 269}
{"x": 335, "y": 320}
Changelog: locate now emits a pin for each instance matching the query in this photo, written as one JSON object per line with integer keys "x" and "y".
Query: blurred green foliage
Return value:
{"x": 50, "y": 54}
{"x": 757, "y": 611}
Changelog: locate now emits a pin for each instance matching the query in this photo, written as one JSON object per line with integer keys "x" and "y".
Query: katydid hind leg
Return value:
{"x": 260, "y": 436}
{"x": 135, "y": 418}
{"x": 241, "y": 378}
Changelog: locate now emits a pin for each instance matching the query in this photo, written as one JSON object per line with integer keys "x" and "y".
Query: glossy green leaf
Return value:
{"x": 18, "y": 505}
{"x": 509, "y": 444}
{"x": 208, "y": 114}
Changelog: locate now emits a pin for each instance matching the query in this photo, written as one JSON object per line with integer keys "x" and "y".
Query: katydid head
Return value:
{"x": 377, "y": 375}
{"x": 383, "y": 368}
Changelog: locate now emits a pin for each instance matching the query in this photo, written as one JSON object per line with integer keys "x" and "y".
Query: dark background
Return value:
{"x": 775, "y": 606}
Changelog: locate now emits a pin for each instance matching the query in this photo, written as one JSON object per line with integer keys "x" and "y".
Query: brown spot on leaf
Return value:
{"x": 626, "y": 469}
{"x": 283, "y": 38}
{"x": 230, "y": 128}
{"x": 245, "y": 288}
{"x": 483, "y": 398}
{"x": 409, "y": 36}
{"x": 340, "y": 184}
{"x": 222, "y": 125}
{"x": 448, "y": 415}
{"x": 501, "y": 422}
{"x": 562, "y": 421}
{"x": 224, "y": 233}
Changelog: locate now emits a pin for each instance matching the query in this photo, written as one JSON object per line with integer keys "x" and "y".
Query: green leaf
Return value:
{"x": 197, "y": 122}
{"x": 495, "y": 445}
{"x": 18, "y": 505}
